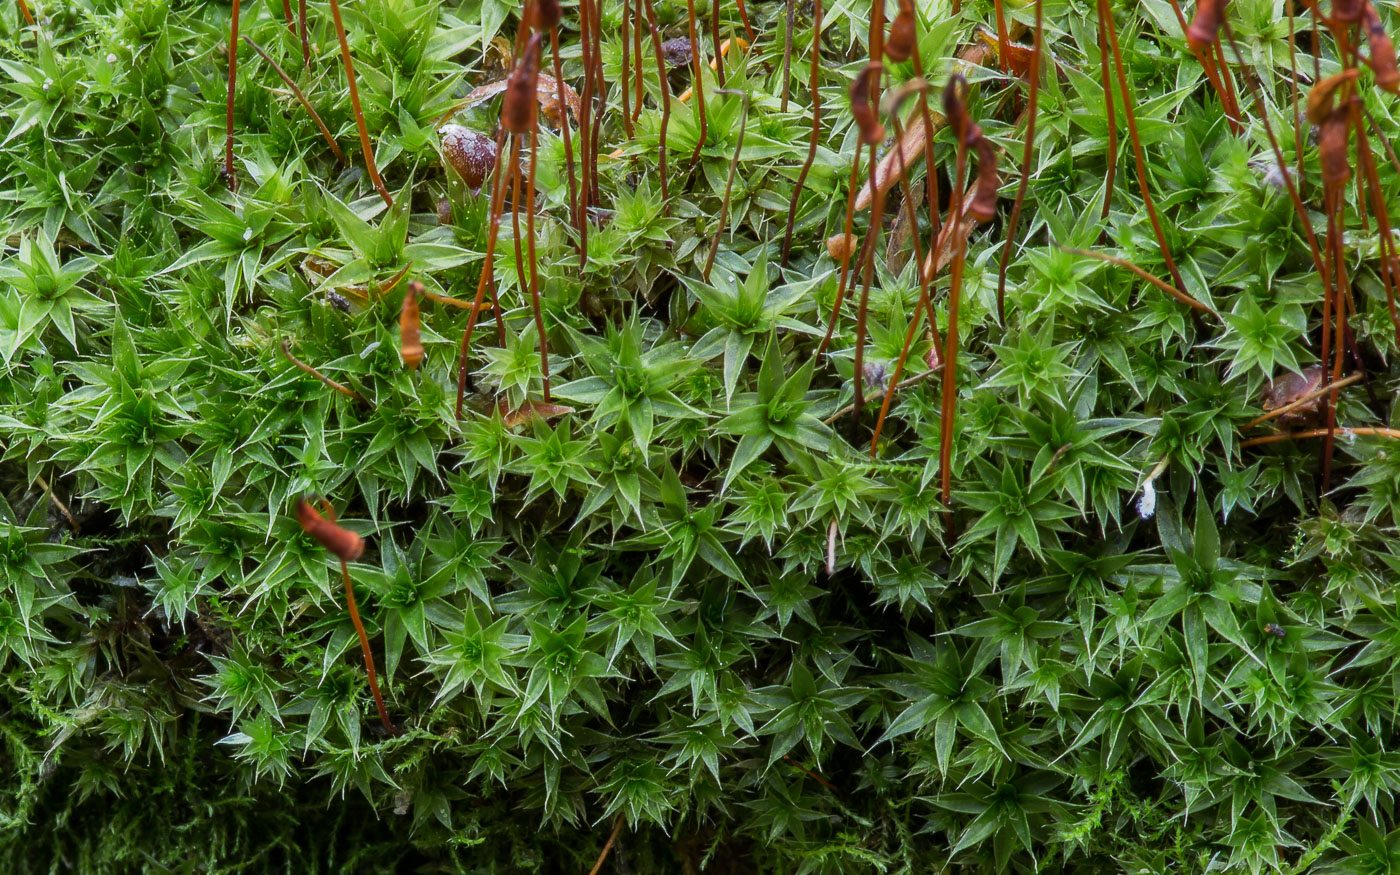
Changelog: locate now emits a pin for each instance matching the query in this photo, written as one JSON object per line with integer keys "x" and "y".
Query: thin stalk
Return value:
{"x": 452, "y": 302}
{"x": 498, "y": 186}
{"x": 305, "y": 38}
{"x": 744, "y": 17}
{"x": 29, "y": 16}
{"x": 665, "y": 100}
{"x": 1026, "y": 155}
{"x": 365, "y": 145}
{"x": 715, "y": 40}
{"x": 301, "y": 98}
{"x": 1313, "y": 247}
{"x": 698, "y": 64}
{"x": 230, "y": 179}
{"x": 1003, "y": 38}
{"x": 287, "y": 14}
{"x": 585, "y": 127}
{"x": 1207, "y": 63}
{"x": 1319, "y": 432}
{"x": 1130, "y": 117}
{"x": 364, "y": 649}
{"x": 1331, "y": 197}
{"x": 787, "y": 52}
{"x": 1330, "y": 379}
{"x": 517, "y": 182}
{"x": 607, "y": 846}
{"x": 845, "y": 254}
{"x": 814, "y": 85}
{"x": 637, "y": 18}
{"x": 877, "y": 213}
{"x": 930, "y": 170}
{"x": 534, "y": 271}
{"x": 1293, "y": 84}
{"x": 1228, "y": 81}
{"x": 600, "y": 95}
{"x": 626, "y": 82}
{"x": 58, "y": 502}
{"x": 568, "y": 140}
{"x": 950, "y": 342}
{"x": 904, "y": 384}
{"x": 925, "y": 274}
{"x": 729, "y": 183}
{"x": 1383, "y": 227}
{"x": 1384, "y": 140}
{"x": 1111, "y": 112}
{"x": 327, "y": 381}
{"x": 1181, "y": 296}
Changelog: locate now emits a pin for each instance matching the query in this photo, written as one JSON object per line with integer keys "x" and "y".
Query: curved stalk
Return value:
{"x": 1130, "y": 117}
{"x": 814, "y": 86}
{"x": 1026, "y": 156}
{"x": 365, "y": 145}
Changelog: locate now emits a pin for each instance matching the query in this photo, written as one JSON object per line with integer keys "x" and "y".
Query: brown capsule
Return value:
{"x": 955, "y": 110}
{"x": 547, "y": 14}
{"x": 1322, "y": 97}
{"x": 1204, "y": 28}
{"x": 903, "y": 36}
{"x": 410, "y": 332}
{"x": 471, "y": 155}
{"x": 519, "y": 112}
{"x": 984, "y": 198}
{"x": 342, "y": 543}
{"x": 1347, "y": 11}
{"x": 1333, "y": 142}
{"x": 444, "y": 211}
{"x": 871, "y": 131}
{"x": 1382, "y": 56}
{"x": 841, "y": 246}
{"x": 1275, "y": 630}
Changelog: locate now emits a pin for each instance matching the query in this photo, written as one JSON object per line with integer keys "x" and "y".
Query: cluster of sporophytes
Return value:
{"x": 782, "y": 437}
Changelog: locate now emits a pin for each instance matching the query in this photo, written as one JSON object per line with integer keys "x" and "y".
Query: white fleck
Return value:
{"x": 1147, "y": 505}
{"x": 111, "y": 57}
{"x": 48, "y": 83}
{"x": 247, "y": 234}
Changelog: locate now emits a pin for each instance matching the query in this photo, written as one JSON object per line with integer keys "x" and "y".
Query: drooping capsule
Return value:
{"x": 471, "y": 156}
{"x": 1348, "y": 11}
{"x": 520, "y": 110}
{"x": 547, "y": 14}
{"x": 1333, "y": 141}
{"x": 1204, "y": 29}
{"x": 1382, "y": 56}
{"x": 410, "y": 331}
{"x": 342, "y": 543}
{"x": 1322, "y": 96}
{"x": 984, "y": 197}
{"x": 955, "y": 110}
{"x": 903, "y": 36}
{"x": 871, "y": 131}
